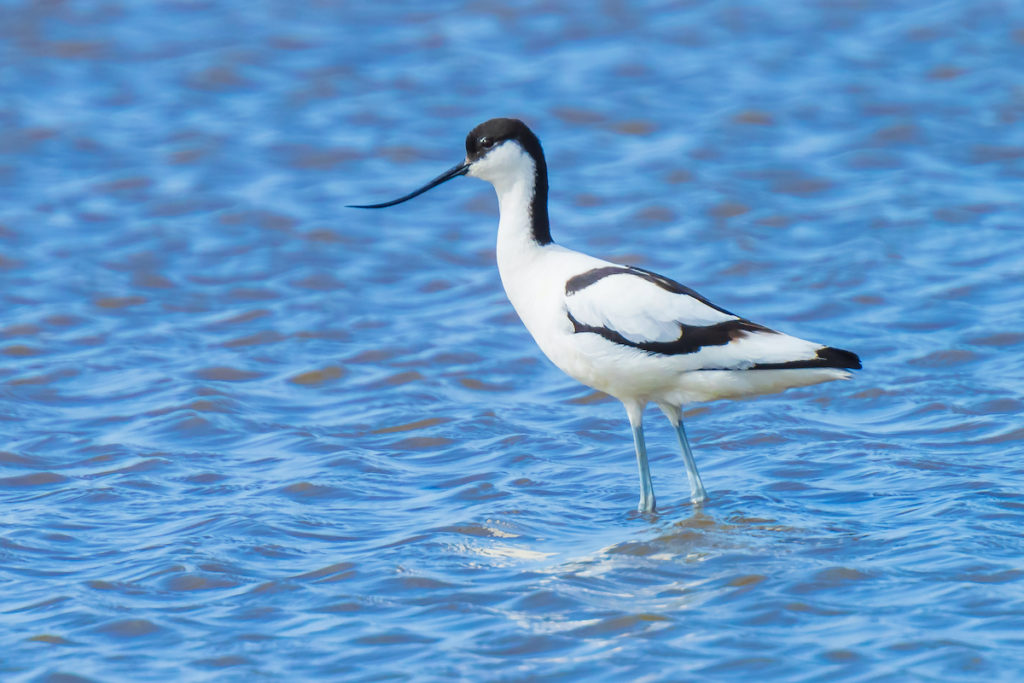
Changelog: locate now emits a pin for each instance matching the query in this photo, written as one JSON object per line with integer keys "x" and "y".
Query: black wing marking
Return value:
{"x": 693, "y": 338}
{"x": 584, "y": 280}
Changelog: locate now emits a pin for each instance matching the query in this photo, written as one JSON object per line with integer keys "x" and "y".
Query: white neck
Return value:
{"x": 512, "y": 172}
{"x": 516, "y": 244}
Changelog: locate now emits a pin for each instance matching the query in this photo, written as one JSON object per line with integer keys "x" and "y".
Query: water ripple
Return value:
{"x": 247, "y": 432}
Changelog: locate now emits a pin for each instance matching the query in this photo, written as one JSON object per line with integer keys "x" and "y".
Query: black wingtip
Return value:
{"x": 825, "y": 357}
{"x": 839, "y": 358}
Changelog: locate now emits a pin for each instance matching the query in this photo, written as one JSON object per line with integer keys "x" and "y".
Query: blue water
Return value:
{"x": 249, "y": 434}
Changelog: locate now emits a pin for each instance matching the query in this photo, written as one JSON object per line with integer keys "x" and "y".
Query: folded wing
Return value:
{"x": 635, "y": 308}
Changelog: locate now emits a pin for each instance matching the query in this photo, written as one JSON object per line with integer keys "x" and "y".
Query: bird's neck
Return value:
{"x": 523, "y": 229}
{"x": 523, "y": 206}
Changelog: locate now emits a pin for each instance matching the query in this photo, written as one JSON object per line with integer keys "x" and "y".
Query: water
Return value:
{"x": 250, "y": 434}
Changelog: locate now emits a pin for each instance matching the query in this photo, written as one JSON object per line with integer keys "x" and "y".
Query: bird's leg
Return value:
{"x": 697, "y": 493}
{"x": 646, "y": 487}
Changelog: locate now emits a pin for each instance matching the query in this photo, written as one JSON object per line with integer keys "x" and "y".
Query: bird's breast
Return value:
{"x": 536, "y": 288}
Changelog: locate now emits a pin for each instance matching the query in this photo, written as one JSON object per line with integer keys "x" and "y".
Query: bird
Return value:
{"x": 633, "y": 334}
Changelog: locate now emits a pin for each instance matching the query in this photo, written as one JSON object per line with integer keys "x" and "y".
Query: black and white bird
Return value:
{"x": 633, "y": 334}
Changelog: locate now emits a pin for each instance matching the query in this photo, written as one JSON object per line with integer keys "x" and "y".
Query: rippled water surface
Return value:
{"x": 250, "y": 434}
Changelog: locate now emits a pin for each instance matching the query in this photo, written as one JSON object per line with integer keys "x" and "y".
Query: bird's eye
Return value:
{"x": 486, "y": 142}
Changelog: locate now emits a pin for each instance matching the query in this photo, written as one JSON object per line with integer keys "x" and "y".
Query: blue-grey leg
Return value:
{"x": 697, "y": 493}
{"x": 675, "y": 416}
{"x": 646, "y": 487}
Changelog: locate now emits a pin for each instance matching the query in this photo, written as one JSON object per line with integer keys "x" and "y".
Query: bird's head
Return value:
{"x": 500, "y": 151}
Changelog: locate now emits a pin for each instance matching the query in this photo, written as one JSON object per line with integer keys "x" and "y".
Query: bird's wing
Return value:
{"x": 636, "y": 308}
